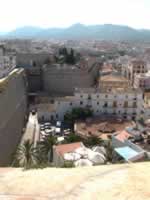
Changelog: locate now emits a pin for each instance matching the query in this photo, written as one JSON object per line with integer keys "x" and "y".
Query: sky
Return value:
{"x": 63, "y": 13}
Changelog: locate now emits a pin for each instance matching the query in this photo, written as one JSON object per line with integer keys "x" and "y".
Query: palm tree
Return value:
{"x": 71, "y": 138}
{"x": 109, "y": 150}
{"x": 26, "y": 155}
{"x": 46, "y": 147}
{"x": 93, "y": 141}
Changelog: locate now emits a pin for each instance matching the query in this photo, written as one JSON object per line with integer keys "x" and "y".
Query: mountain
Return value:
{"x": 80, "y": 31}
{"x": 24, "y": 32}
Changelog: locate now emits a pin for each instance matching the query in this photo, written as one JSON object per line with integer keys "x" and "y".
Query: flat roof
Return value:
{"x": 102, "y": 128}
{"x": 45, "y": 107}
{"x": 126, "y": 152}
{"x": 114, "y": 78}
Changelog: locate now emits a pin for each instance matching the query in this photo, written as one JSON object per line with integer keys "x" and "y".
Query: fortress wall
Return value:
{"x": 63, "y": 81}
{"x": 25, "y": 59}
{"x": 13, "y": 107}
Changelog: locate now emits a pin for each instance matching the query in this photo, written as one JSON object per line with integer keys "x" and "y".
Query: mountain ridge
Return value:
{"x": 81, "y": 31}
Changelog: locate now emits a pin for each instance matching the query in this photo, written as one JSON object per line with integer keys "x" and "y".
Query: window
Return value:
{"x": 81, "y": 102}
{"x": 134, "y": 105}
{"x": 114, "y": 104}
{"x": 97, "y": 96}
{"x": 70, "y": 103}
{"x": 56, "y": 116}
{"x": 89, "y": 97}
{"x": 97, "y": 103}
{"x": 81, "y": 96}
{"x": 125, "y": 104}
{"x": 105, "y": 105}
{"x": 106, "y": 96}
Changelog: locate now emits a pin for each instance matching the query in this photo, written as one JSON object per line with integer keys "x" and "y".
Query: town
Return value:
{"x": 74, "y": 103}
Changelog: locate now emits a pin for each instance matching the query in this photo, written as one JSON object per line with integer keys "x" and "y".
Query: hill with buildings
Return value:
{"x": 80, "y": 31}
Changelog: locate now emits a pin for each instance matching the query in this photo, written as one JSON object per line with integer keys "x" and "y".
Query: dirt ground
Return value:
{"x": 114, "y": 182}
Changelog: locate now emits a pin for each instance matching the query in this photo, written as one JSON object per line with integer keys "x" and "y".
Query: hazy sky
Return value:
{"x": 62, "y": 13}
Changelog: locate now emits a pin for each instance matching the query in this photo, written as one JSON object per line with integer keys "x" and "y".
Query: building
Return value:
{"x": 142, "y": 81}
{"x": 135, "y": 67}
{"x": 101, "y": 128}
{"x": 117, "y": 103}
{"x": 63, "y": 79}
{"x": 7, "y": 61}
{"x": 124, "y": 147}
{"x": 113, "y": 81}
{"x": 60, "y": 150}
{"x": 77, "y": 154}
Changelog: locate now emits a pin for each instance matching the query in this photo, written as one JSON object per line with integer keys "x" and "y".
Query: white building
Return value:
{"x": 7, "y": 61}
{"x": 142, "y": 81}
{"x": 120, "y": 103}
{"x": 133, "y": 68}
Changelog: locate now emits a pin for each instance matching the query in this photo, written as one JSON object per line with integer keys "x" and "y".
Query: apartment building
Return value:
{"x": 135, "y": 67}
{"x": 142, "y": 81}
{"x": 113, "y": 81}
{"x": 117, "y": 103}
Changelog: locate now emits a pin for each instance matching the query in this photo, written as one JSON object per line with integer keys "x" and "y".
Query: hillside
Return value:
{"x": 126, "y": 181}
{"x": 80, "y": 31}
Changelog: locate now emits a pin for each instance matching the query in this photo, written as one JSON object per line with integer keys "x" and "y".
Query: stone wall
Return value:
{"x": 26, "y": 59}
{"x": 61, "y": 80}
{"x": 13, "y": 107}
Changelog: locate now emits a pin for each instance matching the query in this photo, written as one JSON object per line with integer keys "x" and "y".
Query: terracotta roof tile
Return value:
{"x": 66, "y": 148}
{"x": 123, "y": 135}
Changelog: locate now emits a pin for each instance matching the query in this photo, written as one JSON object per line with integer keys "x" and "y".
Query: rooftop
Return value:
{"x": 45, "y": 107}
{"x": 66, "y": 148}
{"x": 123, "y": 135}
{"x": 101, "y": 128}
{"x": 126, "y": 152}
{"x": 109, "y": 91}
{"x": 113, "y": 78}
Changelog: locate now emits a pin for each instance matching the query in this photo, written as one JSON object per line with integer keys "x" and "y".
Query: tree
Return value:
{"x": 46, "y": 147}
{"x": 26, "y": 155}
{"x": 109, "y": 150}
{"x": 77, "y": 113}
{"x": 71, "y": 138}
{"x": 93, "y": 141}
{"x": 68, "y": 57}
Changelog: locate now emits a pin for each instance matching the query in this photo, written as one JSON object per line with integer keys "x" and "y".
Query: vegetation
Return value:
{"x": 26, "y": 155}
{"x": 66, "y": 56}
{"x": 46, "y": 148}
{"x": 141, "y": 121}
{"x": 109, "y": 151}
{"x": 68, "y": 164}
{"x": 77, "y": 113}
{"x": 88, "y": 142}
{"x": 71, "y": 138}
{"x": 92, "y": 141}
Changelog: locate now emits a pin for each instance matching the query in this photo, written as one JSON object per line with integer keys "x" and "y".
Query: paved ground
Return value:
{"x": 117, "y": 182}
{"x": 32, "y": 129}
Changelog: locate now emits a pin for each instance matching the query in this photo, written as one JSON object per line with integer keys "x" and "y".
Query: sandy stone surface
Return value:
{"x": 115, "y": 182}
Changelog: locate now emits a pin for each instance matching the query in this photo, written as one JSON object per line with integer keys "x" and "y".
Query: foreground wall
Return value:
{"x": 13, "y": 107}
